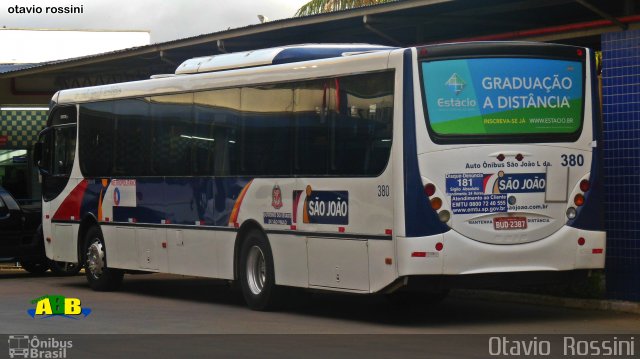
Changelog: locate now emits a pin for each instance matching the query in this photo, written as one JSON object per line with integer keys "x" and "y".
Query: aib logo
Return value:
{"x": 57, "y": 305}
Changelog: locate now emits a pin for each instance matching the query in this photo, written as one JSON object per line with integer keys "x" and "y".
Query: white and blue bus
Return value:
{"x": 352, "y": 168}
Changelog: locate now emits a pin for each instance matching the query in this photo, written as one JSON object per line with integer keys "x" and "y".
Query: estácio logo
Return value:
{"x": 57, "y": 305}
{"x": 455, "y": 84}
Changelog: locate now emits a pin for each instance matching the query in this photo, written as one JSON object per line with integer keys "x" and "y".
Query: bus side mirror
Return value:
{"x": 40, "y": 159}
{"x": 37, "y": 154}
{"x": 4, "y": 210}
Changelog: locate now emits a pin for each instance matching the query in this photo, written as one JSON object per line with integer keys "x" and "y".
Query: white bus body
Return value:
{"x": 370, "y": 193}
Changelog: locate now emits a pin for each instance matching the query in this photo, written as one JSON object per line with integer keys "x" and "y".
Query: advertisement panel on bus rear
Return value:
{"x": 503, "y": 96}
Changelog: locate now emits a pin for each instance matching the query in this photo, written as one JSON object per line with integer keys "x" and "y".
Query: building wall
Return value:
{"x": 23, "y": 93}
{"x": 621, "y": 116}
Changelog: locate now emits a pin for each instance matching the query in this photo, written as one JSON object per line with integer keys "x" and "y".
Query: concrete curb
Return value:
{"x": 538, "y": 299}
{"x": 5, "y": 266}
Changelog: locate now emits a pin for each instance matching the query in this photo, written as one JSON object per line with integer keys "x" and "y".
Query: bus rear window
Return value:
{"x": 498, "y": 97}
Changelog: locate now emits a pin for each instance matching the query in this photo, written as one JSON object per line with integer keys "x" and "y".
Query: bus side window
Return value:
{"x": 217, "y": 116}
{"x": 97, "y": 139}
{"x": 133, "y": 140}
{"x": 267, "y": 116}
{"x": 59, "y": 151}
{"x": 64, "y": 140}
{"x": 311, "y": 140}
{"x": 64, "y": 150}
{"x": 361, "y": 123}
{"x": 173, "y": 137}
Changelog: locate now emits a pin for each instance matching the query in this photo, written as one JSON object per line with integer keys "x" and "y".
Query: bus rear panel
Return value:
{"x": 506, "y": 138}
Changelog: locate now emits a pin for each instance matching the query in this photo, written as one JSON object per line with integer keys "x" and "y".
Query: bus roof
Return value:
{"x": 202, "y": 78}
{"x": 272, "y": 56}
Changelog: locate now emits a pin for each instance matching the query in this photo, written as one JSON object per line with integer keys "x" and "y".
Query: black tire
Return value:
{"x": 35, "y": 267}
{"x": 40, "y": 264}
{"x": 64, "y": 269}
{"x": 257, "y": 276}
{"x": 99, "y": 276}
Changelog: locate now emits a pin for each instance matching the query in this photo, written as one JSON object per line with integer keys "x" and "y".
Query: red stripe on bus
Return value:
{"x": 70, "y": 207}
{"x": 236, "y": 207}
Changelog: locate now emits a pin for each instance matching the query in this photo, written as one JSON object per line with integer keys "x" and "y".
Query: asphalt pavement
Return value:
{"x": 198, "y": 307}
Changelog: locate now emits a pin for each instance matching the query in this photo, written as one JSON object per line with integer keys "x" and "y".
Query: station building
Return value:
{"x": 611, "y": 27}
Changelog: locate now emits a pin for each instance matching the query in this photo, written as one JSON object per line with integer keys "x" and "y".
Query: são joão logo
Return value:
{"x": 58, "y": 306}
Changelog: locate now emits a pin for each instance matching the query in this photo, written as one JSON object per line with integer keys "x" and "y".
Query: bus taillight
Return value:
{"x": 429, "y": 189}
{"x": 578, "y": 199}
{"x": 436, "y": 203}
{"x": 585, "y": 185}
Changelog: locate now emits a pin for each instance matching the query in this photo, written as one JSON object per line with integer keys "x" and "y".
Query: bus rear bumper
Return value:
{"x": 561, "y": 251}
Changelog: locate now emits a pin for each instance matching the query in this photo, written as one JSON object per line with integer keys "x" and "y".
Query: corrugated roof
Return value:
{"x": 14, "y": 67}
{"x": 221, "y": 34}
{"x": 397, "y": 23}
{"x": 19, "y": 67}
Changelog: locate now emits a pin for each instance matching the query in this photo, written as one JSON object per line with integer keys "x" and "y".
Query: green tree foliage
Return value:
{"x": 314, "y": 7}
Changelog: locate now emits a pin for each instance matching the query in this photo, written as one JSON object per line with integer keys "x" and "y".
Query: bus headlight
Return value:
{"x": 571, "y": 213}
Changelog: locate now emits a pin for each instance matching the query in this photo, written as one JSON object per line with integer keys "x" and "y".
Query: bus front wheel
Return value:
{"x": 257, "y": 278}
{"x": 99, "y": 276}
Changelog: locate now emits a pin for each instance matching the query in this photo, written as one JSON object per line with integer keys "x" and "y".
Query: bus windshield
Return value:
{"x": 503, "y": 96}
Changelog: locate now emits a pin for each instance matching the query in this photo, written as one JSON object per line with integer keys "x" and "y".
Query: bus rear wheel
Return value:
{"x": 99, "y": 276}
{"x": 257, "y": 278}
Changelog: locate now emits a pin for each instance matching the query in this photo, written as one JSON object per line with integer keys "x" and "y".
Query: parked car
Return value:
{"x": 21, "y": 237}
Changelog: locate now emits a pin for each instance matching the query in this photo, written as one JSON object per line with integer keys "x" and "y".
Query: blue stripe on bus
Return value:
{"x": 591, "y": 215}
{"x": 178, "y": 200}
{"x": 314, "y": 53}
{"x": 420, "y": 219}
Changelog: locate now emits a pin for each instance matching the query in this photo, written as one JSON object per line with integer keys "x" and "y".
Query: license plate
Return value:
{"x": 501, "y": 223}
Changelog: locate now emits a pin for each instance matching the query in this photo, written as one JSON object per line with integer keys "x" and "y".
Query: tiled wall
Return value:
{"x": 621, "y": 116}
{"x": 21, "y": 127}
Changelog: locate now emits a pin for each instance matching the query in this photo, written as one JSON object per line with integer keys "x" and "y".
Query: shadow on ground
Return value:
{"x": 375, "y": 309}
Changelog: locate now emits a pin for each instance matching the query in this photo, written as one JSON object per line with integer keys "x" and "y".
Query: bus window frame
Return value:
{"x": 60, "y": 179}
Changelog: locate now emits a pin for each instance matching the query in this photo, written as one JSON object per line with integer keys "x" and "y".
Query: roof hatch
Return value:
{"x": 272, "y": 56}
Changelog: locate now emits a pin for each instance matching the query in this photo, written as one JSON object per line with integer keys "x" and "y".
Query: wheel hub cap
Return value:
{"x": 256, "y": 270}
{"x": 95, "y": 259}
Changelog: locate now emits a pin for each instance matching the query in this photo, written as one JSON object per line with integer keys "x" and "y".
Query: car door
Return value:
{"x": 11, "y": 224}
